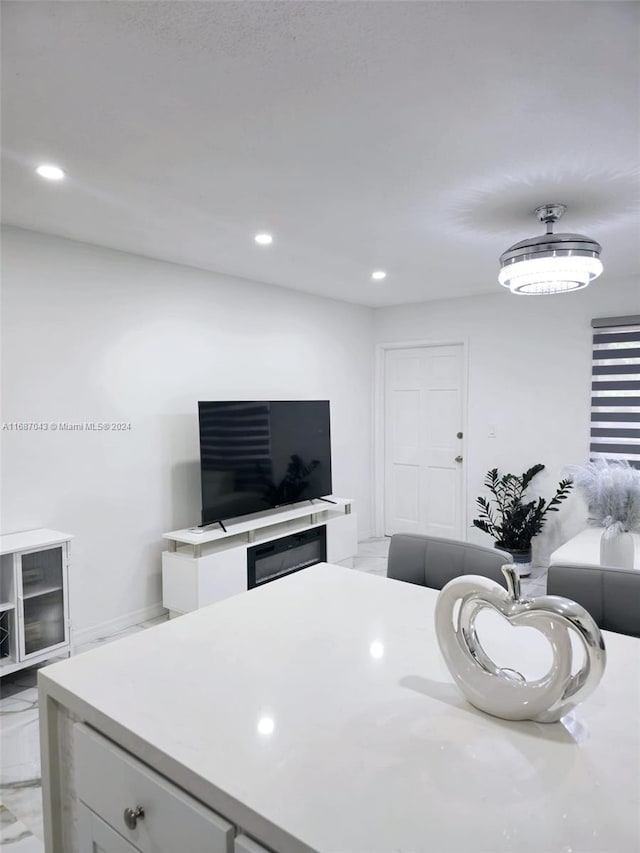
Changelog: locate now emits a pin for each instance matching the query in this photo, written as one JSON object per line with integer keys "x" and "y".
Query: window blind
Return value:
{"x": 615, "y": 389}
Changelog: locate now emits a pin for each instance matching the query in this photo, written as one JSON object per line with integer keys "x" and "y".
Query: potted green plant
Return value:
{"x": 510, "y": 518}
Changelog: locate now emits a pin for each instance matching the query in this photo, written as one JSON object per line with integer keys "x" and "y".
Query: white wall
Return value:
{"x": 529, "y": 375}
{"x": 98, "y": 335}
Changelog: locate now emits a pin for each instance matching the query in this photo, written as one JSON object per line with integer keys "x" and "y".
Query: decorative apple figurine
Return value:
{"x": 505, "y": 693}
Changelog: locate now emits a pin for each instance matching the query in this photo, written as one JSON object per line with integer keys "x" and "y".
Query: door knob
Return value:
{"x": 458, "y": 459}
{"x": 131, "y": 816}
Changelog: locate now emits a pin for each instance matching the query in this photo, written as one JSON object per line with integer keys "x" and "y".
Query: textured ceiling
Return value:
{"x": 414, "y": 137}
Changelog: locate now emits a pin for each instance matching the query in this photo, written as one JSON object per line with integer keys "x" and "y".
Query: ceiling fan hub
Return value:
{"x": 550, "y": 212}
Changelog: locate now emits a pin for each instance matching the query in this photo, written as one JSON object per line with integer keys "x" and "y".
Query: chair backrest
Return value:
{"x": 433, "y": 562}
{"x": 612, "y": 596}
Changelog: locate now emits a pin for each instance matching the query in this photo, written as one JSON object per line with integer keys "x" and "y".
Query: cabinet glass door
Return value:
{"x": 7, "y": 610}
{"x": 42, "y": 576}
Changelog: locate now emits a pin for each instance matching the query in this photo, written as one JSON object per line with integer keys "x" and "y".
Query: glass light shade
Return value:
{"x": 555, "y": 274}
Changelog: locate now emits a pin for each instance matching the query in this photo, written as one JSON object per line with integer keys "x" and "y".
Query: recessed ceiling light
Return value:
{"x": 263, "y": 239}
{"x": 266, "y": 725}
{"x": 378, "y": 275}
{"x": 50, "y": 172}
{"x": 376, "y": 649}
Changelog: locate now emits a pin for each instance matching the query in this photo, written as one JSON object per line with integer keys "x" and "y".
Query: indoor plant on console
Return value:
{"x": 611, "y": 489}
{"x": 512, "y": 520}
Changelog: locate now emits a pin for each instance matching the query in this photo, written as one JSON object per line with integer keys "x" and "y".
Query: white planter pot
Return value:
{"x": 617, "y": 551}
{"x": 521, "y": 559}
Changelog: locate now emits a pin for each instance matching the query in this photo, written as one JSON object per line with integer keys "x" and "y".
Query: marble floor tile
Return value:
{"x": 377, "y": 547}
{"x": 22, "y": 678}
{"x": 533, "y": 589}
{"x": 539, "y": 573}
{"x": 18, "y": 699}
{"x": 24, "y": 799}
{"x": 14, "y": 835}
{"x": 371, "y": 557}
{"x": 19, "y": 742}
{"x": 81, "y": 648}
{"x": 20, "y": 783}
{"x": 100, "y": 641}
{"x": 372, "y": 565}
{"x": 536, "y": 584}
{"x": 16, "y": 683}
{"x": 158, "y": 620}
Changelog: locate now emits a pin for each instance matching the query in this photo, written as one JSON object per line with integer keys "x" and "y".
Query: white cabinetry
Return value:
{"x": 246, "y": 845}
{"x": 128, "y": 808}
{"x": 138, "y": 805}
{"x": 34, "y": 600}
{"x": 204, "y": 566}
{"x": 96, "y": 836}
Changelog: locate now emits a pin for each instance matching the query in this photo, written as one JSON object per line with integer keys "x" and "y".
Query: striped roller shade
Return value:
{"x": 615, "y": 389}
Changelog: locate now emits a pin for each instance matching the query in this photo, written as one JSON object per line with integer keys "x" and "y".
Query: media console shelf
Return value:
{"x": 204, "y": 566}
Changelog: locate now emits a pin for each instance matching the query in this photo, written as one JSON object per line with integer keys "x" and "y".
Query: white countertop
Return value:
{"x": 584, "y": 549}
{"x": 372, "y": 747}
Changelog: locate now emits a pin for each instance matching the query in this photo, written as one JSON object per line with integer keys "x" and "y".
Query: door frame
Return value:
{"x": 379, "y": 422}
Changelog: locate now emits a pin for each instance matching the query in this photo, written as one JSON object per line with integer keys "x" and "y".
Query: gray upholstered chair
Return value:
{"x": 433, "y": 562}
{"x": 612, "y": 596}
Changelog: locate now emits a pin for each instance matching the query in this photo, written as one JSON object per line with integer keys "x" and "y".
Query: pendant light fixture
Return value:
{"x": 550, "y": 263}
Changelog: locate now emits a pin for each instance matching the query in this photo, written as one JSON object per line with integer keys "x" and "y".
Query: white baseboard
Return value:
{"x": 112, "y": 626}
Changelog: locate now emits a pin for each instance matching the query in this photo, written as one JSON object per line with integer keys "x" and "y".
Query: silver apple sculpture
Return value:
{"x": 505, "y": 693}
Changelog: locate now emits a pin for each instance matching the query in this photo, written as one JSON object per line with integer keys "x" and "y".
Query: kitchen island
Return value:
{"x": 316, "y": 714}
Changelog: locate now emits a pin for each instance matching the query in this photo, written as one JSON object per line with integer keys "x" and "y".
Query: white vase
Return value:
{"x": 617, "y": 551}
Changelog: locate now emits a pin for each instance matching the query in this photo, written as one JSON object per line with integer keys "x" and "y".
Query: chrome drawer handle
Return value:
{"x": 131, "y": 816}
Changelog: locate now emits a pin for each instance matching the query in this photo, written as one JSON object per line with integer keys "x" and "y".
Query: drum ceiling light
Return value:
{"x": 550, "y": 263}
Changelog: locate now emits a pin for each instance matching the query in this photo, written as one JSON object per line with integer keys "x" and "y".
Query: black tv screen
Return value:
{"x": 258, "y": 455}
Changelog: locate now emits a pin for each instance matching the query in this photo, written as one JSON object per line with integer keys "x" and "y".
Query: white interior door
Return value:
{"x": 423, "y": 423}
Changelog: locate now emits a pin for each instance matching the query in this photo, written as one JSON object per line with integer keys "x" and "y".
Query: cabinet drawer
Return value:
{"x": 247, "y": 845}
{"x": 109, "y": 781}
{"x": 96, "y": 836}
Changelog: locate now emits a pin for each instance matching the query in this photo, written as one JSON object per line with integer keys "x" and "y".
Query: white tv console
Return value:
{"x": 203, "y": 566}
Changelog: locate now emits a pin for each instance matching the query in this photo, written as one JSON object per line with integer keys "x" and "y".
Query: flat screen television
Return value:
{"x": 256, "y": 455}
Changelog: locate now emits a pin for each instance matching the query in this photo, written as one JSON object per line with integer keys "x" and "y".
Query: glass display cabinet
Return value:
{"x": 34, "y": 600}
